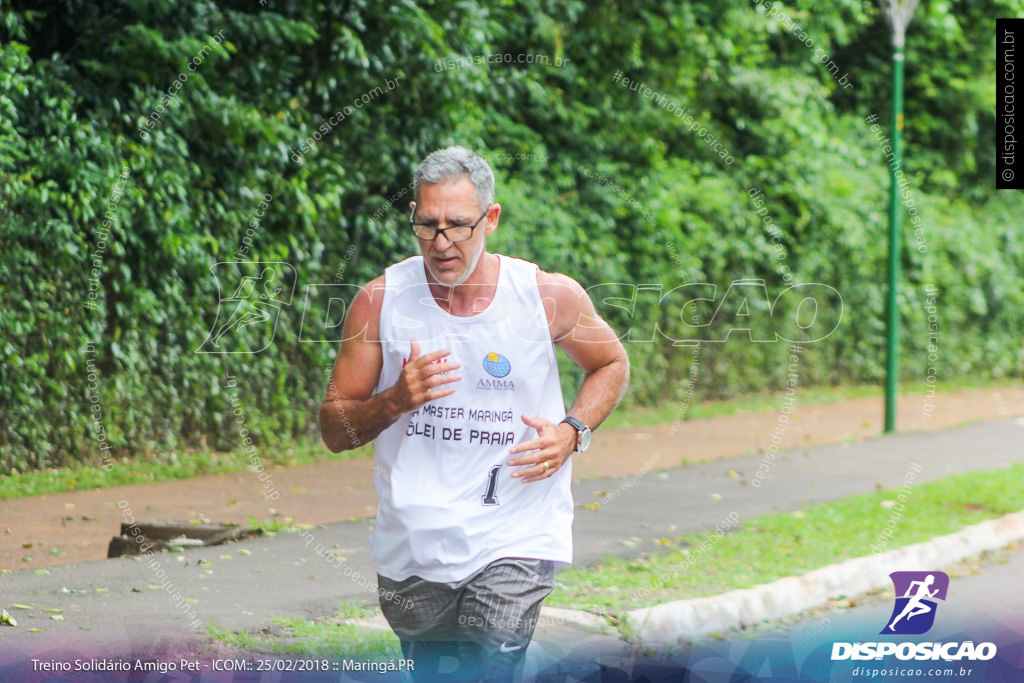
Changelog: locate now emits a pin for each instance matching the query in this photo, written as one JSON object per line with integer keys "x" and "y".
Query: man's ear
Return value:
{"x": 492, "y": 219}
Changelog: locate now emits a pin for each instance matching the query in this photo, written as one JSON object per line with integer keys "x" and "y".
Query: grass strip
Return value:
{"x": 332, "y": 638}
{"x": 169, "y": 468}
{"x": 774, "y": 546}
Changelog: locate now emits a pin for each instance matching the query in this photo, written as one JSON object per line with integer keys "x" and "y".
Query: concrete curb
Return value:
{"x": 560, "y": 616}
{"x": 686, "y": 620}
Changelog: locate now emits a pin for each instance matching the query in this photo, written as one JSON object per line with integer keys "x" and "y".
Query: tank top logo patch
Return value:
{"x": 498, "y": 367}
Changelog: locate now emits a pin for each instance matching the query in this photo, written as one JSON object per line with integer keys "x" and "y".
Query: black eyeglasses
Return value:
{"x": 454, "y": 233}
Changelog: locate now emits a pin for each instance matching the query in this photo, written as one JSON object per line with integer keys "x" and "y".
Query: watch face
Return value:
{"x": 585, "y": 437}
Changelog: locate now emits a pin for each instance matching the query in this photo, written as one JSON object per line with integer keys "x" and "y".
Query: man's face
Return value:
{"x": 451, "y": 204}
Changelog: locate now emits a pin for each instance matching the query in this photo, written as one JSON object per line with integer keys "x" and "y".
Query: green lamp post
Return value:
{"x": 898, "y": 13}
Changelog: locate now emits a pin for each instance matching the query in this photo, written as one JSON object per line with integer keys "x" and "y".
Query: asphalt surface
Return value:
{"x": 245, "y": 585}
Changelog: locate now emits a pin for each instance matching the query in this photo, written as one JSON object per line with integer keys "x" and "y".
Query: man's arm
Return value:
{"x": 351, "y": 414}
{"x": 589, "y": 341}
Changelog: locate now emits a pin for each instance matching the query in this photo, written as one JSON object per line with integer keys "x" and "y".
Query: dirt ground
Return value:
{"x": 72, "y": 527}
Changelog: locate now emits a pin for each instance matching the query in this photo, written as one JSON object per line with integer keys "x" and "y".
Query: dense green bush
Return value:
{"x": 106, "y": 163}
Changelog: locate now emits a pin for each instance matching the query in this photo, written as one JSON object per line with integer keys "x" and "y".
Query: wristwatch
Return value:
{"x": 583, "y": 433}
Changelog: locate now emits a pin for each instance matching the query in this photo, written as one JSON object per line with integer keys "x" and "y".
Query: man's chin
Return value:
{"x": 448, "y": 278}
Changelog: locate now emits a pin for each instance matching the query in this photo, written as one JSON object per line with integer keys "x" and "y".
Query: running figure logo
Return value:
{"x": 258, "y": 292}
{"x": 916, "y": 595}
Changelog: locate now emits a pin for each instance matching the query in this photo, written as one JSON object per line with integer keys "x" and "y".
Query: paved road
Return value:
{"x": 243, "y": 586}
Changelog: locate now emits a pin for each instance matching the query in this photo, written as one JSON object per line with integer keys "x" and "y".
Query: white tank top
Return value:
{"x": 448, "y": 505}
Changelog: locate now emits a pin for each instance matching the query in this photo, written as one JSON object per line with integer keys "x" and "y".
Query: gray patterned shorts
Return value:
{"x": 475, "y": 629}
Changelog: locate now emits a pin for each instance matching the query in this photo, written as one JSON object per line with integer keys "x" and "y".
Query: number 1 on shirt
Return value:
{"x": 492, "y": 483}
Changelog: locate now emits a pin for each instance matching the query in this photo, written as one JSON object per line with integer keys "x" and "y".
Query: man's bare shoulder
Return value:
{"x": 375, "y": 288}
{"x": 370, "y": 296}
{"x": 364, "y": 313}
{"x": 558, "y": 286}
{"x": 566, "y": 303}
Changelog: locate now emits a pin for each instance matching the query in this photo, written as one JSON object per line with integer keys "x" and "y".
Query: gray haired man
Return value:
{"x": 448, "y": 362}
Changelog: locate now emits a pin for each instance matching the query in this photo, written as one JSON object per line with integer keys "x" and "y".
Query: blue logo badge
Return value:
{"x": 497, "y": 365}
{"x": 916, "y": 595}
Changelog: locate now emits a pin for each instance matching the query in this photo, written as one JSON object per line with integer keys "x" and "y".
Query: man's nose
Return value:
{"x": 441, "y": 241}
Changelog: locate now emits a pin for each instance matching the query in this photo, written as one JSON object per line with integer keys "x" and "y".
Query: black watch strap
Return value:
{"x": 576, "y": 424}
{"x": 583, "y": 433}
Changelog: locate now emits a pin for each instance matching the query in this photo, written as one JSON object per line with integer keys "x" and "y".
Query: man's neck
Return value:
{"x": 472, "y": 296}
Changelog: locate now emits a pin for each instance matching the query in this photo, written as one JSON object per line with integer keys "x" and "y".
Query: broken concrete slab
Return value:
{"x": 160, "y": 535}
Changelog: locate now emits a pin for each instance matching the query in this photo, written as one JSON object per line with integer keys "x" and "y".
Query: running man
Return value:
{"x": 448, "y": 361}
{"x": 914, "y": 606}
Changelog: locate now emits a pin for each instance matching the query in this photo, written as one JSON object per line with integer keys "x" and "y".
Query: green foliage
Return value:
{"x": 137, "y": 141}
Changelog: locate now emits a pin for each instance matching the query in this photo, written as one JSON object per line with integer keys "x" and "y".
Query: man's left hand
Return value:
{"x": 552, "y": 447}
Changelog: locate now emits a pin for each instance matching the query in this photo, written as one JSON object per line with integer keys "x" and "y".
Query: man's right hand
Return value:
{"x": 423, "y": 378}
